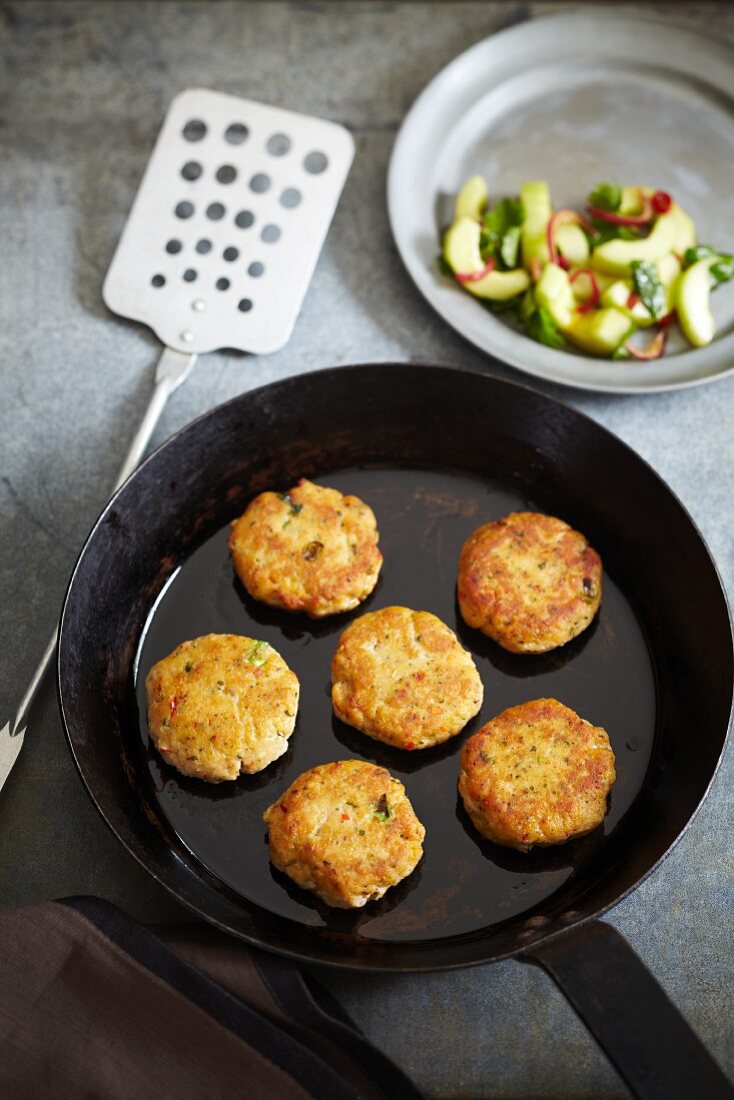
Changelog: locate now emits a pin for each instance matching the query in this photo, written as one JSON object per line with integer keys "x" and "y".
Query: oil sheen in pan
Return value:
{"x": 463, "y": 884}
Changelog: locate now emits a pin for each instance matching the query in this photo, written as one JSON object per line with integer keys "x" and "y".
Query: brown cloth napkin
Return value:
{"x": 93, "y": 1004}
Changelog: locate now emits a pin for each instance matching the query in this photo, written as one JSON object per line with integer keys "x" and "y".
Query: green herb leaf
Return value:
{"x": 486, "y": 246}
{"x": 528, "y": 305}
{"x": 605, "y": 231}
{"x": 723, "y": 270}
{"x": 647, "y": 283}
{"x": 606, "y": 196}
{"x": 621, "y": 353}
{"x": 506, "y": 213}
{"x": 287, "y": 499}
{"x": 510, "y": 246}
{"x": 258, "y": 654}
{"x": 505, "y": 306}
{"x": 700, "y": 252}
{"x": 501, "y": 233}
{"x": 541, "y": 327}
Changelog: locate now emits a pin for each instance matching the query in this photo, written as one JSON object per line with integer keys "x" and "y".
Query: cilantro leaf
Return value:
{"x": 700, "y": 252}
{"x": 540, "y": 326}
{"x": 723, "y": 270}
{"x": 606, "y": 196}
{"x": 647, "y": 284}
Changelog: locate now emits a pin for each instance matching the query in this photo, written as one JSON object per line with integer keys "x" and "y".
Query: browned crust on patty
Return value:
{"x": 402, "y": 677}
{"x": 345, "y": 831}
{"x": 529, "y": 581}
{"x": 312, "y": 549}
{"x": 536, "y": 774}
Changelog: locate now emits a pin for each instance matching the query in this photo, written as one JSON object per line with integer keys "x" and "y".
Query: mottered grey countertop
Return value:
{"x": 83, "y": 89}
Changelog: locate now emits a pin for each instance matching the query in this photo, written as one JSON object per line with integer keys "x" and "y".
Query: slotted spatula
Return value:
{"x": 217, "y": 252}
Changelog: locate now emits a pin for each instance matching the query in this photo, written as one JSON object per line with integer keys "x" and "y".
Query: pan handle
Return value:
{"x": 629, "y": 1014}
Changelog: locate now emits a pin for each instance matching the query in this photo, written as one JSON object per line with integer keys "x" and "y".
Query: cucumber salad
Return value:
{"x": 592, "y": 280}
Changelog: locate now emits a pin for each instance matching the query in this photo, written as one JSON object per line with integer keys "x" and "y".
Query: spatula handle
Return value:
{"x": 173, "y": 368}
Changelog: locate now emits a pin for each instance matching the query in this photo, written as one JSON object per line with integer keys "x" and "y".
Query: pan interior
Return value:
{"x": 463, "y": 884}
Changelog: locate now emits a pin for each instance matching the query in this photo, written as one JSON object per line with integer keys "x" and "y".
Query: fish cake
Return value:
{"x": 536, "y": 774}
{"x": 311, "y": 549}
{"x": 346, "y": 831}
{"x": 402, "y": 677}
{"x": 220, "y": 705}
{"x": 529, "y": 581}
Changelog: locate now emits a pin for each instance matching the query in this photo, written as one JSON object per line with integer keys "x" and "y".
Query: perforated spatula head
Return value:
{"x": 228, "y": 223}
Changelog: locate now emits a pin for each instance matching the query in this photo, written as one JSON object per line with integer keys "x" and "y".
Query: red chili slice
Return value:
{"x": 661, "y": 202}
{"x": 668, "y": 319}
{"x": 564, "y": 217}
{"x": 653, "y": 350}
{"x": 633, "y": 299}
{"x": 624, "y": 219}
{"x": 593, "y": 300}
{"x": 475, "y": 276}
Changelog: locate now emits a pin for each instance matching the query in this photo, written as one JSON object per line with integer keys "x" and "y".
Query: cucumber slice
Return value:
{"x": 461, "y": 247}
{"x": 537, "y": 210}
{"x": 472, "y": 199}
{"x": 692, "y": 300}
{"x": 461, "y": 252}
{"x": 615, "y": 256}
{"x": 600, "y": 331}
{"x": 553, "y": 292}
{"x": 500, "y": 285}
{"x": 685, "y": 232}
{"x": 669, "y": 272}
{"x": 668, "y": 268}
{"x": 617, "y": 295}
{"x": 579, "y": 287}
{"x": 572, "y": 243}
{"x": 632, "y": 199}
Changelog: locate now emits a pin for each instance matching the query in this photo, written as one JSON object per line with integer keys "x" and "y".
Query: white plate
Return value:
{"x": 573, "y": 99}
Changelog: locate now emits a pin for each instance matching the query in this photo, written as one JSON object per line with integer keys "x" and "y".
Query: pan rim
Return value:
{"x": 366, "y": 964}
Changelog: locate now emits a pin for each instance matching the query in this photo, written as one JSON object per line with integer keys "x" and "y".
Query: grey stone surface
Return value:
{"x": 84, "y": 87}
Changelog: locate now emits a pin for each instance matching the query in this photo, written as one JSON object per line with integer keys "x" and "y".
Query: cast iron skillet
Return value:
{"x": 435, "y": 451}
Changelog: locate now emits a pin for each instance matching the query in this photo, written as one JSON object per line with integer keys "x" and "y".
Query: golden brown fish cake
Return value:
{"x": 311, "y": 549}
{"x": 536, "y": 774}
{"x": 346, "y": 831}
{"x": 402, "y": 677}
{"x": 220, "y": 705}
{"x": 529, "y": 581}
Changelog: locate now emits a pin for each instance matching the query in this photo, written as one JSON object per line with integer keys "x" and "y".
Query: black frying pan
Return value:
{"x": 435, "y": 451}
